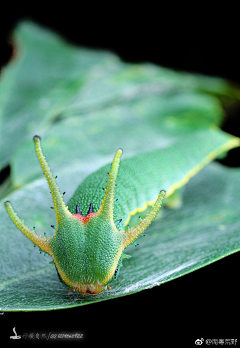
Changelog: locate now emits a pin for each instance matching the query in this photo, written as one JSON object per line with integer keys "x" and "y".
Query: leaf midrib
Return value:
{"x": 23, "y": 276}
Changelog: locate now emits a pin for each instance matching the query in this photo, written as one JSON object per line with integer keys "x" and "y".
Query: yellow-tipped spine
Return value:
{"x": 108, "y": 200}
{"x": 59, "y": 205}
{"x": 130, "y": 235}
{"x": 41, "y": 242}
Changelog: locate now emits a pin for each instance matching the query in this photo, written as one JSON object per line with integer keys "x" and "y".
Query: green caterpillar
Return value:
{"x": 87, "y": 247}
{"x": 90, "y": 238}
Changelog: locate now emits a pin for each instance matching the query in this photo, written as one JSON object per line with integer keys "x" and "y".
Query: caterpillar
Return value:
{"x": 88, "y": 244}
{"x": 90, "y": 238}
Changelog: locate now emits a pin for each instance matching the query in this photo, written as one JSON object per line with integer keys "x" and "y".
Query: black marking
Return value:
{"x": 116, "y": 199}
{"x": 78, "y": 211}
{"x": 52, "y": 226}
{"x": 103, "y": 188}
{"x": 64, "y": 193}
{"x": 136, "y": 244}
{"x": 118, "y": 222}
{"x": 90, "y": 210}
{"x": 52, "y": 207}
{"x": 56, "y": 177}
{"x": 59, "y": 276}
{"x": 37, "y": 137}
{"x": 116, "y": 273}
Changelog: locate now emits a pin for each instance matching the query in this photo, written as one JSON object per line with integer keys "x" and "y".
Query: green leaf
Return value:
{"x": 85, "y": 104}
{"x": 205, "y": 229}
{"x": 151, "y": 121}
{"x": 49, "y": 80}
{"x": 46, "y": 73}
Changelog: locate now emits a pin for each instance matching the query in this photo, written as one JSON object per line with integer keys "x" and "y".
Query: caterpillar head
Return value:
{"x": 86, "y": 249}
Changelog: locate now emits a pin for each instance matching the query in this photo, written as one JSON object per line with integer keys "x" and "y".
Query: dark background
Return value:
{"x": 204, "y": 303}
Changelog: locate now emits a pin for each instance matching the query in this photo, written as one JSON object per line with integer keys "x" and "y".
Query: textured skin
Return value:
{"x": 141, "y": 177}
{"x": 87, "y": 248}
{"x": 83, "y": 252}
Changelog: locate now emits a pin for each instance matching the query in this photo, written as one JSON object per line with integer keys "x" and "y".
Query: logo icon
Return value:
{"x": 16, "y": 337}
{"x": 199, "y": 341}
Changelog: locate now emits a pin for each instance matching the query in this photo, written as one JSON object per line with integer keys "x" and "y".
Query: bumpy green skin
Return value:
{"x": 86, "y": 253}
{"x": 141, "y": 177}
{"x": 88, "y": 247}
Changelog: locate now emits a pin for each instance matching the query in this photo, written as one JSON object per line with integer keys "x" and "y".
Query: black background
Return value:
{"x": 204, "y": 303}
